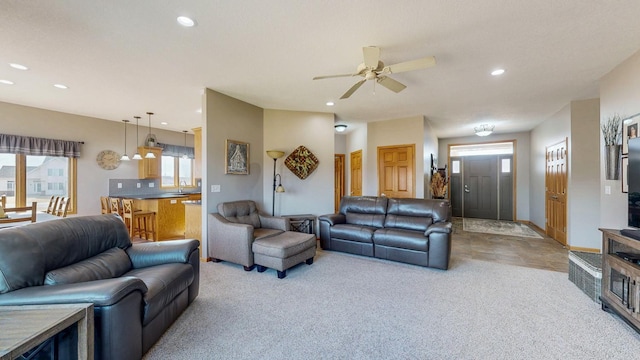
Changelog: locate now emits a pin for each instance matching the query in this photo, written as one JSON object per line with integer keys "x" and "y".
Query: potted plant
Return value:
{"x": 612, "y": 133}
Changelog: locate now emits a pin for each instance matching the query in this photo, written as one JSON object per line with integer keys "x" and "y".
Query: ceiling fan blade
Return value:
{"x": 333, "y": 76}
{"x": 410, "y": 65}
{"x": 353, "y": 89}
{"x": 371, "y": 56}
{"x": 391, "y": 84}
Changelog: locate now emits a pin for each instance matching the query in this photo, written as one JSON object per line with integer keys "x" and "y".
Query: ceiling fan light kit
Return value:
{"x": 484, "y": 130}
{"x": 374, "y": 69}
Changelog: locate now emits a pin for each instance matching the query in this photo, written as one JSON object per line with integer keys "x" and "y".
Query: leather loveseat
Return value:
{"x": 414, "y": 231}
{"x": 138, "y": 290}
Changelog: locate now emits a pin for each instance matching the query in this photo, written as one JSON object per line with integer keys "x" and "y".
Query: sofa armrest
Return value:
{"x": 441, "y": 228}
{"x": 333, "y": 219}
{"x": 229, "y": 241}
{"x": 274, "y": 222}
{"x": 99, "y": 292}
{"x": 161, "y": 252}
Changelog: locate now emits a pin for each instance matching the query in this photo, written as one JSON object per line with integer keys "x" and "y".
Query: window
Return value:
{"x": 506, "y": 165}
{"x": 176, "y": 171}
{"x": 27, "y": 178}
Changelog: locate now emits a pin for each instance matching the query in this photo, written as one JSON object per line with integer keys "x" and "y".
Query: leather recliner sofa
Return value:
{"x": 414, "y": 231}
{"x": 138, "y": 290}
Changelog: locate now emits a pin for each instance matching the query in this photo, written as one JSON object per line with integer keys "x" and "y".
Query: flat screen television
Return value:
{"x": 633, "y": 179}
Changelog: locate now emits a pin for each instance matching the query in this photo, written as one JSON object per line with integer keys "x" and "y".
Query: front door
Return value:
{"x": 480, "y": 187}
{"x": 396, "y": 168}
{"x": 556, "y": 192}
{"x": 356, "y": 173}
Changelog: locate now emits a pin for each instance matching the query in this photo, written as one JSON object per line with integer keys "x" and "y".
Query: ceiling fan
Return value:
{"x": 374, "y": 69}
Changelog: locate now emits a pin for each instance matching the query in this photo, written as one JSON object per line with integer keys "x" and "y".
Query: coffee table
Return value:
{"x": 25, "y": 327}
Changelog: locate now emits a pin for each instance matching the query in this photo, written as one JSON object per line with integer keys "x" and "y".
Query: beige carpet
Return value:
{"x": 360, "y": 308}
{"x": 499, "y": 227}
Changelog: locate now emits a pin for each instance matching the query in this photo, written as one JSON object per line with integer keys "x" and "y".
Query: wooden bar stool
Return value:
{"x": 53, "y": 205}
{"x": 105, "y": 208}
{"x": 141, "y": 223}
{"x": 115, "y": 207}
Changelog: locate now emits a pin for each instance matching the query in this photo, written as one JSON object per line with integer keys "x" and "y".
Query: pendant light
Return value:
{"x": 150, "y": 140}
{"x": 137, "y": 156}
{"x": 185, "y": 156}
{"x": 125, "y": 157}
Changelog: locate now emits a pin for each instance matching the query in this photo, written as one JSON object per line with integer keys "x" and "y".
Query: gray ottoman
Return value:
{"x": 283, "y": 251}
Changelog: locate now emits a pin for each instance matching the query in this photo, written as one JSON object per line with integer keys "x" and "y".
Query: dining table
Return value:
{"x": 41, "y": 216}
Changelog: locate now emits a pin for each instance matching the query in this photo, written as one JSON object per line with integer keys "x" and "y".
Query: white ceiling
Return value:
{"x": 124, "y": 58}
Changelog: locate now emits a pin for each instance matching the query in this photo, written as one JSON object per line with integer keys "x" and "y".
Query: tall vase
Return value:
{"x": 612, "y": 161}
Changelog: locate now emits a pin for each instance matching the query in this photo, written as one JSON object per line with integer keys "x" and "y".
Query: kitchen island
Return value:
{"x": 169, "y": 209}
{"x": 193, "y": 222}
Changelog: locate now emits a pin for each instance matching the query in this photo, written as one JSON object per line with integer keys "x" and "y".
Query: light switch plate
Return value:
{"x": 151, "y": 185}
{"x": 119, "y": 185}
{"x": 215, "y": 188}
{"x": 138, "y": 185}
{"x": 607, "y": 190}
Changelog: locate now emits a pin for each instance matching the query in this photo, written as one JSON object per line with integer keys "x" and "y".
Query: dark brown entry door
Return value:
{"x": 480, "y": 187}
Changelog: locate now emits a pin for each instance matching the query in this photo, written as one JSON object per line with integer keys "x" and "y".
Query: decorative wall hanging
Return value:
{"x": 237, "y": 158}
{"x": 301, "y": 162}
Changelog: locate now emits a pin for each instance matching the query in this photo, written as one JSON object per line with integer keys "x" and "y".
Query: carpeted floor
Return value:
{"x": 499, "y": 227}
{"x": 353, "y": 307}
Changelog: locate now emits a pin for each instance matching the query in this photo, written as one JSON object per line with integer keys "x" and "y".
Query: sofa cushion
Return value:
{"x": 364, "y": 210}
{"x": 240, "y": 212}
{"x": 164, "y": 283}
{"x": 109, "y": 264}
{"x": 408, "y": 222}
{"x": 27, "y": 253}
{"x": 404, "y": 239}
{"x": 352, "y": 232}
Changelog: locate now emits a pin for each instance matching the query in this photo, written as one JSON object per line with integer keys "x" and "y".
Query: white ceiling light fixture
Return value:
{"x": 137, "y": 156}
{"x": 186, "y": 21}
{"x": 497, "y": 72}
{"x": 6, "y": 82}
{"x": 125, "y": 157}
{"x": 330, "y": 103}
{"x": 185, "y": 156}
{"x": 61, "y": 86}
{"x": 18, "y": 66}
{"x": 340, "y": 127}
{"x": 484, "y": 130}
{"x": 150, "y": 140}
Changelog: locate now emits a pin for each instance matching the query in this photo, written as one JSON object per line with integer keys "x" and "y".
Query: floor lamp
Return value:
{"x": 275, "y": 155}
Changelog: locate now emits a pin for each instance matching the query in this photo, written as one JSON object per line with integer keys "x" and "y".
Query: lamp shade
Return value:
{"x": 275, "y": 154}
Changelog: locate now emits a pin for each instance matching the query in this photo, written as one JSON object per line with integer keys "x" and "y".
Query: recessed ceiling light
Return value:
{"x": 18, "y": 66}
{"x": 60, "y": 86}
{"x": 330, "y": 103}
{"x": 185, "y": 21}
{"x": 164, "y": 123}
{"x": 497, "y": 72}
{"x": 6, "y": 82}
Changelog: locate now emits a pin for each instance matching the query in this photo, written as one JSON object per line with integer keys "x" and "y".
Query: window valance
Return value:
{"x": 28, "y": 145}
{"x": 176, "y": 150}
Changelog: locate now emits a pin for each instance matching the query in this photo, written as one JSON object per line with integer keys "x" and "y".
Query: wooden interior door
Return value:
{"x": 556, "y": 191}
{"x": 396, "y": 169}
{"x": 338, "y": 180}
{"x": 356, "y": 173}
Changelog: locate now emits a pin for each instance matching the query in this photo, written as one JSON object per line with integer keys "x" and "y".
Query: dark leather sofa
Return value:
{"x": 138, "y": 290}
{"x": 414, "y": 231}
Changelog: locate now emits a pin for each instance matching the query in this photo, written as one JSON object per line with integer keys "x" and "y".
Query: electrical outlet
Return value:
{"x": 138, "y": 185}
{"x": 215, "y": 188}
{"x": 152, "y": 185}
{"x": 607, "y": 190}
{"x": 119, "y": 185}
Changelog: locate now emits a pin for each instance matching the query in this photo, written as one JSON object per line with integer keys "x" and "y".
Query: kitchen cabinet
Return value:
{"x": 169, "y": 216}
{"x": 149, "y": 168}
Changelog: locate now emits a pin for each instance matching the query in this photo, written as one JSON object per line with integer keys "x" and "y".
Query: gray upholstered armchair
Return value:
{"x": 234, "y": 228}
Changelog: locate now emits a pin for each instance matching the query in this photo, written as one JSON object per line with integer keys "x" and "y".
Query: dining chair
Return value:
{"x": 105, "y": 208}
{"x": 53, "y": 204}
{"x": 63, "y": 207}
{"x": 33, "y": 209}
{"x": 140, "y": 223}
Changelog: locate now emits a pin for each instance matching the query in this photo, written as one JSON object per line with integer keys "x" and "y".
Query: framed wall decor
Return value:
{"x": 236, "y": 158}
{"x": 629, "y": 131}
{"x": 625, "y": 172}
